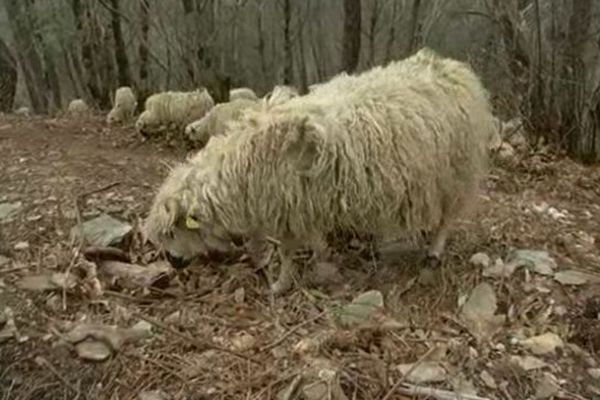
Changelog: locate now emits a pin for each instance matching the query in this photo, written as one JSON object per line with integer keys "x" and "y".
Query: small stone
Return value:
{"x": 173, "y": 318}
{"x": 488, "y": 380}
{"x": 528, "y": 363}
{"x": 9, "y": 210}
{"x": 574, "y": 278}
{"x": 239, "y": 295}
{"x": 93, "y": 350}
{"x": 543, "y": 344}
{"x": 480, "y": 260}
{"x": 153, "y": 395}
{"x": 594, "y": 373}
{"x": 361, "y": 308}
{"x": 20, "y": 246}
{"x": 243, "y": 341}
{"x": 103, "y": 231}
{"x": 547, "y": 387}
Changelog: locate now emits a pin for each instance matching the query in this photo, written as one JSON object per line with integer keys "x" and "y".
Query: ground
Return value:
{"x": 216, "y": 331}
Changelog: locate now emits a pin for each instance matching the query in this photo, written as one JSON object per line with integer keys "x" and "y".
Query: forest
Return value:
{"x": 539, "y": 58}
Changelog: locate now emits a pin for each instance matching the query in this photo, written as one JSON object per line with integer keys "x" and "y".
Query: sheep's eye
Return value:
{"x": 191, "y": 222}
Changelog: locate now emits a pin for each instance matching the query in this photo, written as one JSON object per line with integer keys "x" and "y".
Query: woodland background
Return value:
{"x": 539, "y": 58}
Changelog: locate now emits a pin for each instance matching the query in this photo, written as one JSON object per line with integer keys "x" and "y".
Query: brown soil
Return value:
{"x": 49, "y": 164}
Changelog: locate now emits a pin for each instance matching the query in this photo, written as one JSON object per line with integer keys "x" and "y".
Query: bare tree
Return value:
{"x": 124, "y": 74}
{"x": 8, "y": 78}
{"x": 352, "y": 35}
{"x": 287, "y": 43}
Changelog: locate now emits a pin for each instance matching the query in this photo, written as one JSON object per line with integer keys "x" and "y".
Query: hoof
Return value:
{"x": 433, "y": 261}
{"x": 278, "y": 288}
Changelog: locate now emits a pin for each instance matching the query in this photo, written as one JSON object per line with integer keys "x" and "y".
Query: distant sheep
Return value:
{"x": 78, "y": 108}
{"x": 281, "y": 93}
{"x": 125, "y": 104}
{"x": 23, "y": 112}
{"x": 396, "y": 150}
{"x": 242, "y": 93}
{"x": 215, "y": 122}
{"x": 173, "y": 111}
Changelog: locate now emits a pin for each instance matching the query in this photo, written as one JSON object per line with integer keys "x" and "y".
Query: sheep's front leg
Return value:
{"x": 260, "y": 250}
{"x": 287, "y": 270}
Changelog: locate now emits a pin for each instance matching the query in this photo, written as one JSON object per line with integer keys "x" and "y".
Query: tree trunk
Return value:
{"x": 124, "y": 74}
{"x": 287, "y": 43}
{"x": 31, "y": 64}
{"x": 8, "y": 78}
{"x": 413, "y": 29}
{"x": 143, "y": 85}
{"x": 392, "y": 36}
{"x": 352, "y": 35}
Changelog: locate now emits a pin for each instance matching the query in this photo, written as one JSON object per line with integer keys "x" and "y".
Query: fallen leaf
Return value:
{"x": 543, "y": 344}
{"x": 488, "y": 380}
{"x": 574, "y": 277}
{"x": 427, "y": 371}
{"x": 21, "y": 246}
{"x": 43, "y": 282}
{"x": 134, "y": 275}
{"x": 546, "y": 387}
{"x": 527, "y": 363}
{"x": 499, "y": 269}
{"x": 153, "y": 395}
{"x": 462, "y": 385}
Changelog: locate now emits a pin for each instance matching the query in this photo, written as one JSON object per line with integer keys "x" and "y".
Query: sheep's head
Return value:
{"x": 179, "y": 221}
{"x": 147, "y": 123}
{"x": 113, "y": 117}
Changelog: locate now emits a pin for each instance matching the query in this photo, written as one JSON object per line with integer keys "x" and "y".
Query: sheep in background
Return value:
{"x": 78, "y": 108}
{"x": 124, "y": 106}
{"x": 23, "y": 112}
{"x": 242, "y": 93}
{"x": 281, "y": 93}
{"x": 215, "y": 122}
{"x": 172, "y": 111}
{"x": 395, "y": 150}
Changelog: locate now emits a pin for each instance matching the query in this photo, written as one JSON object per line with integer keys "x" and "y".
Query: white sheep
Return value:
{"x": 124, "y": 106}
{"x": 78, "y": 108}
{"x": 23, "y": 111}
{"x": 173, "y": 111}
{"x": 242, "y": 93}
{"x": 281, "y": 93}
{"x": 396, "y": 150}
{"x": 215, "y": 122}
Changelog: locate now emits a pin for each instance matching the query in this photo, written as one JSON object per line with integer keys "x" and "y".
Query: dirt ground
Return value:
{"x": 218, "y": 334}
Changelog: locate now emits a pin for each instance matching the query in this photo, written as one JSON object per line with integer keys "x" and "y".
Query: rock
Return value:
{"x": 506, "y": 152}
{"x": 527, "y": 363}
{"x": 9, "y": 210}
{"x": 574, "y": 277}
{"x": 538, "y": 261}
{"x": 543, "y": 344}
{"x": 480, "y": 260}
{"x": 547, "y": 386}
{"x": 243, "y": 341}
{"x": 427, "y": 371}
{"x": 325, "y": 273}
{"x": 20, "y": 246}
{"x": 102, "y": 231}
{"x": 488, "y": 380}
{"x": 478, "y": 312}
{"x": 93, "y": 350}
{"x": 361, "y": 309}
{"x": 239, "y": 295}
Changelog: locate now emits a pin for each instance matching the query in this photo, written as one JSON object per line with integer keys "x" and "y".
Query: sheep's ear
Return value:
{"x": 192, "y": 223}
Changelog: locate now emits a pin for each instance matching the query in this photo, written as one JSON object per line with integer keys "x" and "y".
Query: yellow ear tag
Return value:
{"x": 191, "y": 223}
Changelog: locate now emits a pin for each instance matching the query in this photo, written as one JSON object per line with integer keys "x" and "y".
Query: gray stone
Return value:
{"x": 103, "y": 231}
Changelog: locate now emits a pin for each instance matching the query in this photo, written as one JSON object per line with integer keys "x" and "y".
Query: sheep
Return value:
{"x": 242, "y": 93}
{"x": 281, "y": 94}
{"x": 23, "y": 111}
{"x": 77, "y": 108}
{"x": 215, "y": 122}
{"x": 124, "y": 106}
{"x": 173, "y": 111}
{"x": 399, "y": 149}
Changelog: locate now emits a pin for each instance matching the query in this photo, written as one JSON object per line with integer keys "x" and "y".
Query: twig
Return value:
{"x": 439, "y": 394}
{"x": 42, "y": 362}
{"x": 14, "y": 269}
{"x": 98, "y": 190}
{"x": 105, "y": 253}
{"x": 291, "y": 331}
{"x": 410, "y": 370}
{"x": 200, "y": 344}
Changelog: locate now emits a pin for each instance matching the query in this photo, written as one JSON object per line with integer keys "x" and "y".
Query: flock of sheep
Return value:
{"x": 397, "y": 150}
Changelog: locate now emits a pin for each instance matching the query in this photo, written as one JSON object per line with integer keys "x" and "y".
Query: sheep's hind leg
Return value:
{"x": 437, "y": 246}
